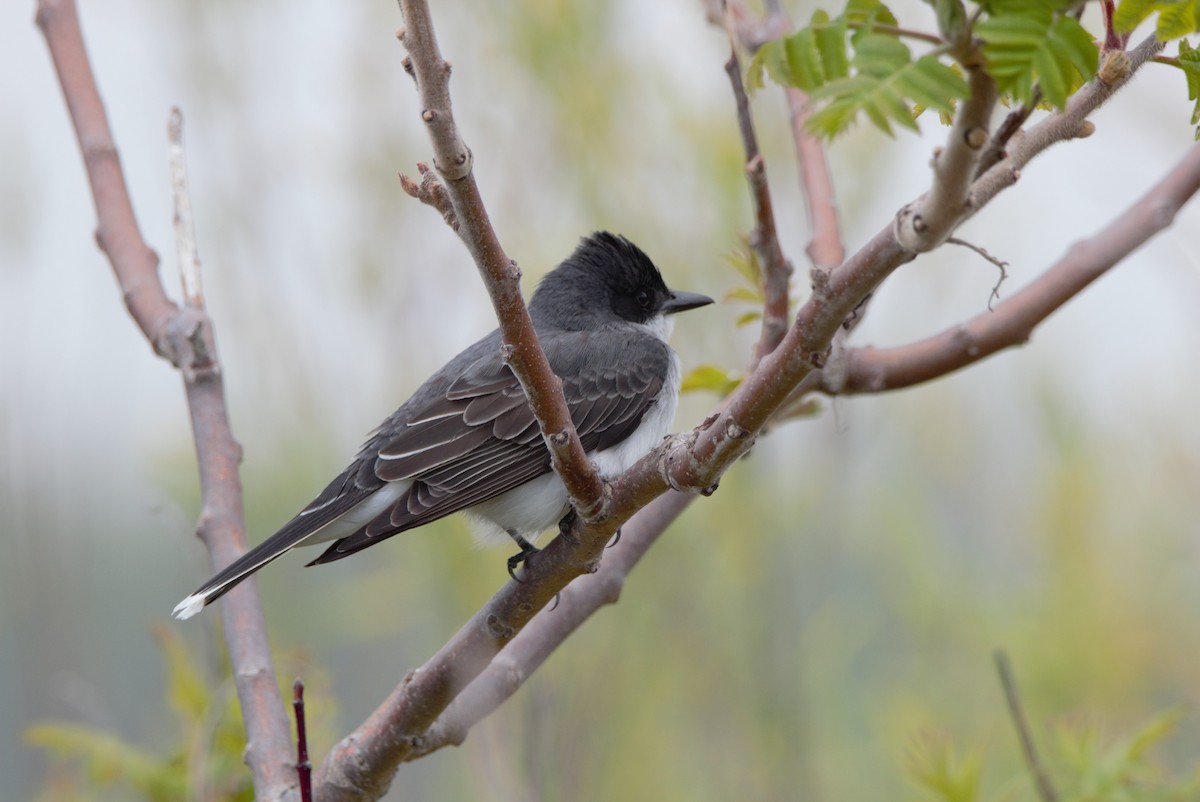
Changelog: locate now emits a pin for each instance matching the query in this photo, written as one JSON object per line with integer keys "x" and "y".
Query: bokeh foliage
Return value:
{"x": 819, "y": 629}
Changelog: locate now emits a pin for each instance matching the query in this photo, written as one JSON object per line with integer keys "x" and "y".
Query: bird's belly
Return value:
{"x": 540, "y": 504}
{"x": 528, "y": 510}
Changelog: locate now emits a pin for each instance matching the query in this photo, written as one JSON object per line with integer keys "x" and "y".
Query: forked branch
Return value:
{"x": 185, "y": 337}
{"x": 764, "y": 239}
{"x": 363, "y": 764}
{"x": 1012, "y": 321}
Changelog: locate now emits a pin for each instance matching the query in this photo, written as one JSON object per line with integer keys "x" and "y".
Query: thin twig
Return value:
{"x": 1012, "y": 321}
{"x": 1032, "y": 761}
{"x": 764, "y": 239}
{"x": 303, "y": 766}
{"x": 185, "y": 337}
{"x": 897, "y": 31}
{"x": 825, "y": 248}
{"x": 187, "y": 251}
{"x": 996, "y": 262}
{"x": 994, "y": 151}
{"x": 501, "y": 276}
{"x": 1112, "y": 39}
{"x": 432, "y": 192}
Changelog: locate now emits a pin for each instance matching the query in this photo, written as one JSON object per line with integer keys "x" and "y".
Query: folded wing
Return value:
{"x": 479, "y": 439}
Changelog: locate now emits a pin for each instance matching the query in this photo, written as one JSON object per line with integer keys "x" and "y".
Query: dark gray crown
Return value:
{"x": 607, "y": 275}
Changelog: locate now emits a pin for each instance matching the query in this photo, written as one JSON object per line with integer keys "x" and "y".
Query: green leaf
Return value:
{"x": 1130, "y": 13}
{"x": 186, "y": 689}
{"x": 109, "y": 760}
{"x": 1154, "y": 731}
{"x": 744, "y": 294}
{"x": 868, "y": 13}
{"x": 809, "y": 58}
{"x": 709, "y": 377}
{"x": 744, "y": 260}
{"x": 816, "y": 55}
{"x": 1102, "y": 769}
{"x": 936, "y": 766}
{"x": 1189, "y": 62}
{"x": 748, "y": 317}
{"x": 945, "y": 116}
{"x": 951, "y": 17}
{"x": 881, "y": 80}
{"x": 1036, "y": 46}
{"x": 771, "y": 60}
{"x": 884, "y": 87}
{"x": 1176, "y": 18}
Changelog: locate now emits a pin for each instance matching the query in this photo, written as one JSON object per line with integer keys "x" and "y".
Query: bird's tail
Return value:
{"x": 226, "y": 580}
{"x": 340, "y": 514}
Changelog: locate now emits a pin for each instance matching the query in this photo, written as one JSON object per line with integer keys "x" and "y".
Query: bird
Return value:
{"x": 467, "y": 440}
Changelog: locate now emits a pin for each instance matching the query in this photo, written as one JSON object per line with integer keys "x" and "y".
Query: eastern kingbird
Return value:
{"x": 467, "y": 440}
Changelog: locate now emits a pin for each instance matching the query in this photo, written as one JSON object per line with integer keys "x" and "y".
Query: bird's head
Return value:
{"x": 607, "y": 279}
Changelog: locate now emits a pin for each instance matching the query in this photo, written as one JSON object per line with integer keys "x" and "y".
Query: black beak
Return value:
{"x": 683, "y": 301}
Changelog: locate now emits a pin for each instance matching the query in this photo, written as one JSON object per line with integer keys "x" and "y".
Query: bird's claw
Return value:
{"x": 515, "y": 561}
{"x": 564, "y": 527}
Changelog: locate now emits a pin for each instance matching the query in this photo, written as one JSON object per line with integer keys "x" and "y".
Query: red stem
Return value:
{"x": 303, "y": 766}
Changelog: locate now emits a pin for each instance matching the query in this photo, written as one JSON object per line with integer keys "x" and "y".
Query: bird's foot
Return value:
{"x": 518, "y": 559}
{"x": 564, "y": 527}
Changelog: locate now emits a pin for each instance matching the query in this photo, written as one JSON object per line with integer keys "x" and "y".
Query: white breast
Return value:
{"x": 537, "y": 506}
{"x": 657, "y": 422}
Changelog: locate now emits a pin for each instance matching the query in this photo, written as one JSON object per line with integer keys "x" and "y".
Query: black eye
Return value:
{"x": 643, "y": 299}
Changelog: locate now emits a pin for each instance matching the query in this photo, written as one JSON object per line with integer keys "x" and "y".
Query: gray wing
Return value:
{"x": 479, "y": 439}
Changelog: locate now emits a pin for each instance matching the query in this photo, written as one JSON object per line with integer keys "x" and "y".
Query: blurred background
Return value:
{"x": 798, "y": 635}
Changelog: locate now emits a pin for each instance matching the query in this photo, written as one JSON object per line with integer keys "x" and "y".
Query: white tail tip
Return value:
{"x": 189, "y": 607}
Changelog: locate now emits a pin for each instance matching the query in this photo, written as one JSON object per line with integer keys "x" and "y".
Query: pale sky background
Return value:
{"x": 297, "y": 121}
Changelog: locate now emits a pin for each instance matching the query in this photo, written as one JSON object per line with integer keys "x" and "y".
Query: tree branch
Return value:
{"x": 927, "y": 223}
{"x": 1068, "y": 124}
{"x": 764, "y": 239}
{"x": 501, "y": 276}
{"x": 418, "y": 715}
{"x": 528, "y": 650}
{"x": 696, "y": 461}
{"x": 825, "y": 249}
{"x": 1011, "y": 323}
{"x": 362, "y": 765}
{"x": 185, "y": 337}
{"x": 1045, "y": 788}
{"x": 547, "y": 631}
{"x": 303, "y": 767}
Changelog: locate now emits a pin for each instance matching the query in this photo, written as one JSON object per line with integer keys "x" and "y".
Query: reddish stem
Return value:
{"x": 303, "y": 766}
